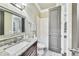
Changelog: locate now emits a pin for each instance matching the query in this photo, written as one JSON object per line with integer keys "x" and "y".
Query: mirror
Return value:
{"x": 16, "y": 24}
{"x": 10, "y": 23}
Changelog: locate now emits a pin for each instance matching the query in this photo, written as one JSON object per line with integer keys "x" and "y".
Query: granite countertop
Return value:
{"x": 4, "y": 37}
{"x": 18, "y": 49}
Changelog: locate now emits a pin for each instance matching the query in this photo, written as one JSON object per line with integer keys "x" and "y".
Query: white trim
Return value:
{"x": 37, "y": 6}
{"x": 69, "y": 29}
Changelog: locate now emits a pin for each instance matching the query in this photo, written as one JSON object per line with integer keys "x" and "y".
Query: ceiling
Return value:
{"x": 43, "y": 6}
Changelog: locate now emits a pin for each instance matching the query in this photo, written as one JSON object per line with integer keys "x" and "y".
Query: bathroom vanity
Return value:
{"x": 31, "y": 51}
{"x": 17, "y": 46}
{"x": 13, "y": 33}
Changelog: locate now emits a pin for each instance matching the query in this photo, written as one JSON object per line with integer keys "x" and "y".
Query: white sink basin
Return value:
{"x": 12, "y": 50}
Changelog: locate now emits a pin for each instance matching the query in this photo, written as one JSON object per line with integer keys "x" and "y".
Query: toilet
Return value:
{"x": 40, "y": 49}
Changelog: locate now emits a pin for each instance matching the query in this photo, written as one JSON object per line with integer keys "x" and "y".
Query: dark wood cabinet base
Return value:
{"x": 31, "y": 51}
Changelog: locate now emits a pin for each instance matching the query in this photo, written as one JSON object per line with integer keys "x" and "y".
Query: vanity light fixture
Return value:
{"x": 20, "y": 6}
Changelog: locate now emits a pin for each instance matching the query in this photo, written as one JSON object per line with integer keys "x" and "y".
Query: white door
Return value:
{"x": 55, "y": 29}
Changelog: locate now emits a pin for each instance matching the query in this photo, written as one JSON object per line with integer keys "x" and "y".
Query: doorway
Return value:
{"x": 55, "y": 29}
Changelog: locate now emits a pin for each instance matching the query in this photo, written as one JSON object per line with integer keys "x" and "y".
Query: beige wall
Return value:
{"x": 33, "y": 13}
{"x": 42, "y": 27}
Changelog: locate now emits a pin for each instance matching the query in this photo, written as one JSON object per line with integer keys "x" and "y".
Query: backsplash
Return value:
{"x": 11, "y": 41}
